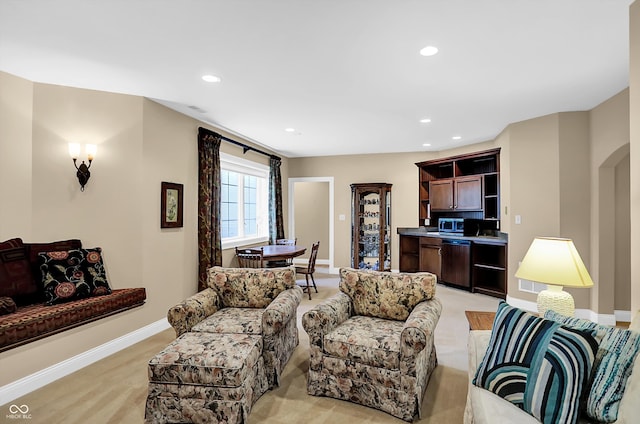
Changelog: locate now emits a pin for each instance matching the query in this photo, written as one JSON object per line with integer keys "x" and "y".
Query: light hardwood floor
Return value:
{"x": 114, "y": 389}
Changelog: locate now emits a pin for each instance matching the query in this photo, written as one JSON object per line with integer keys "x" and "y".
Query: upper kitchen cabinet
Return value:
{"x": 465, "y": 186}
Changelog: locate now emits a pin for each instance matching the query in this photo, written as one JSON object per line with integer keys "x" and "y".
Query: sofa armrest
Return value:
{"x": 326, "y": 316}
{"x": 194, "y": 309}
{"x": 419, "y": 327}
{"x": 477, "y": 344}
{"x": 281, "y": 310}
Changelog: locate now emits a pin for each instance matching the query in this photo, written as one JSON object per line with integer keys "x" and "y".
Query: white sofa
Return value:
{"x": 484, "y": 407}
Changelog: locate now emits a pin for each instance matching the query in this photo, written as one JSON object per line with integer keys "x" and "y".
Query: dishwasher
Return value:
{"x": 456, "y": 263}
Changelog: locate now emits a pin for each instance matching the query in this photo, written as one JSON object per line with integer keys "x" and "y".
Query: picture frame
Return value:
{"x": 171, "y": 197}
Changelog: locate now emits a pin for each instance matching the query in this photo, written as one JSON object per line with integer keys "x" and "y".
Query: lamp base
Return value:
{"x": 556, "y": 299}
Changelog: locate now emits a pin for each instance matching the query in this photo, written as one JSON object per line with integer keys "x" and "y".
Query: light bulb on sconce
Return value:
{"x": 83, "y": 173}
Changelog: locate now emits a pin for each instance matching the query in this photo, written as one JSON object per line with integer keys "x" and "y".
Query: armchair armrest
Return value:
{"x": 420, "y": 326}
{"x": 326, "y": 316}
{"x": 281, "y": 310}
{"x": 194, "y": 309}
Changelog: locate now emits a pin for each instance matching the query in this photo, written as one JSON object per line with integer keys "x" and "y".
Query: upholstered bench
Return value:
{"x": 206, "y": 378}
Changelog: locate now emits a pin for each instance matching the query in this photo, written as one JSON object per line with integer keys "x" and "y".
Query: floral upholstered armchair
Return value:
{"x": 258, "y": 301}
{"x": 373, "y": 342}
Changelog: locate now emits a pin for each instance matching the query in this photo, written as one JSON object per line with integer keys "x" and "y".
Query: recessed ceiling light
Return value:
{"x": 425, "y": 120}
{"x": 426, "y": 144}
{"x": 290, "y": 129}
{"x": 211, "y": 78}
{"x": 456, "y": 137}
{"x": 429, "y": 51}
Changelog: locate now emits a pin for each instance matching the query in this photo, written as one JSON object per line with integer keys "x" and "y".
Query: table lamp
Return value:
{"x": 557, "y": 263}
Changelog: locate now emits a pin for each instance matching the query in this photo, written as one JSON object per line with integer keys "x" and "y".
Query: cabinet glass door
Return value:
{"x": 371, "y": 226}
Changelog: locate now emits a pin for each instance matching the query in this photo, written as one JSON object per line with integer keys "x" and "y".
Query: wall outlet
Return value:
{"x": 518, "y": 219}
{"x": 341, "y": 217}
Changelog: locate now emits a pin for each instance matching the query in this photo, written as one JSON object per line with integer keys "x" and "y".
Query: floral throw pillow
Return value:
{"x": 73, "y": 274}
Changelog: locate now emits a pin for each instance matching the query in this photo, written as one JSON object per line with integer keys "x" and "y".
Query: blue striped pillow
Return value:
{"x": 614, "y": 362}
{"x": 537, "y": 364}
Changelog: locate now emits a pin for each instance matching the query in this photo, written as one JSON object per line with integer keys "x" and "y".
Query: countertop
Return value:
{"x": 426, "y": 232}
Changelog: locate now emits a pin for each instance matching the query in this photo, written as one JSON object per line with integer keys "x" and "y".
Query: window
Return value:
{"x": 244, "y": 201}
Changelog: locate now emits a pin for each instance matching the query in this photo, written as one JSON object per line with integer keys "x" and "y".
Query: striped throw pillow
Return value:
{"x": 537, "y": 364}
{"x": 614, "y": 361}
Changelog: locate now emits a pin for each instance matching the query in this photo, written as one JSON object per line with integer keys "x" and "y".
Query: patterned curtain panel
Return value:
{"x": 276, "y": 226}
{"x": 209, "y": 240}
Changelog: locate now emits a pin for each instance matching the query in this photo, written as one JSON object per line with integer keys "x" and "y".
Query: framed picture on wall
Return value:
{"x": 171, "y": 205}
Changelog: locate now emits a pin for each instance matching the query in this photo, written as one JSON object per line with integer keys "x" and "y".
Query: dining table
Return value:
{"x": 281, "y": 252}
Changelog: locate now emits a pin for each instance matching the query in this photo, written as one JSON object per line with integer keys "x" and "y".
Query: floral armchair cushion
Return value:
{"x": 384, "y": 294}
{"x": 250, "y": 287}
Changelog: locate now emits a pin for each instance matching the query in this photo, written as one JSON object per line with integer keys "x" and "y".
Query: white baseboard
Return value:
{"x": 604, "y": 319}
{"x": 48, "y": 375}
{"x": 624, "y": 316}
{"x": 305, "y": 261}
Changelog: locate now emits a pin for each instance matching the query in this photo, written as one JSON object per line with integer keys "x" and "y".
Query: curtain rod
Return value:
{"x": 245, "y": 148}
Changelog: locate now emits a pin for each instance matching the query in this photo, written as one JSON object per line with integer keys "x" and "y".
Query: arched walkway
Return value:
{"x": 612, "y": 292}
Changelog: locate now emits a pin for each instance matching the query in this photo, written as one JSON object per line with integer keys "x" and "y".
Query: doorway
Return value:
{"x": 613, "y": 292}
{"x": 311, "y": 211}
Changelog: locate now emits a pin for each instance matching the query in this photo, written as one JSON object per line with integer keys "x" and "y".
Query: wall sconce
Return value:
{"x": 83, "y": 173}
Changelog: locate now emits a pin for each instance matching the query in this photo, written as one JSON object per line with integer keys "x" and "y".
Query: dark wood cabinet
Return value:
{"x": 441, "y": 195}
{"x": 410, "y": 254}
{"x": 431, "y": 255}
{"x": 467, "y": 194}
{"x": 457, "y": 194}
{"x": 464, "y": 186}
{"x": 478, "y": 264}
{"x": 490, "y": 269}
{"x": 456, "y": 263}
{"x": 371, "y": 226}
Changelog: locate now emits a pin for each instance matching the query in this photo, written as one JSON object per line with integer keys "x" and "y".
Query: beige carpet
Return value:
{"x": 113, "y": 390}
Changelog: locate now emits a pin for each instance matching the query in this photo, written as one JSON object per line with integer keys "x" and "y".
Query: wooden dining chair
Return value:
{"x": 287, "y": 242}
{"x": 250, "y": 258}
{"x": 310, "y": 269}
{"x": 287, "y": 262}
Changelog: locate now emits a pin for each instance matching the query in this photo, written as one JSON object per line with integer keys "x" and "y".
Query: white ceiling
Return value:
{"x": 346, "y": 74}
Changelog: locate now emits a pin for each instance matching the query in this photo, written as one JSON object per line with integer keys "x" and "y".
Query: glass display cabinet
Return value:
{"x": 371, "y": 226}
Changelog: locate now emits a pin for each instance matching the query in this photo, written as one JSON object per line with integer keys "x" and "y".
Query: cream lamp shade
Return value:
{"x": 557, "y": 263}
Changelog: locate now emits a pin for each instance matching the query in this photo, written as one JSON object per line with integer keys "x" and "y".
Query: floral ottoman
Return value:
{"x": 206, "y": 378}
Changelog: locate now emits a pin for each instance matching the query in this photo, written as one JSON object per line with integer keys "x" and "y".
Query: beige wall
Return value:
{"x": 16, "y": 109}
{"x": 398, "y": 169}
{"x": 609, "y": 128}
{"x": 622, "y": 252}
{"x": 547, "y": 165}
{"x": 533, "y": 190}
{"x": 312, "y": 216}
{"x": 634, "y": 87}
{"x": 574, "y": 191}
{"x": 140, "y": 144}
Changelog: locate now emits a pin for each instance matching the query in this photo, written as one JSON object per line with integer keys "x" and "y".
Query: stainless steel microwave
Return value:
{"x": 451, "y": 225}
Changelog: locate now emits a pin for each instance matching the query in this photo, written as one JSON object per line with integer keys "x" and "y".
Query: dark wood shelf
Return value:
{"x": 493, "y": 267}
{"x": 463, "y": 186}
{"x": 490, "y": 291}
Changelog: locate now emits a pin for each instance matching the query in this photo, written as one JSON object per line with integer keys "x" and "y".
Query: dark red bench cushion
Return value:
{"x": 33, "y": 322}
